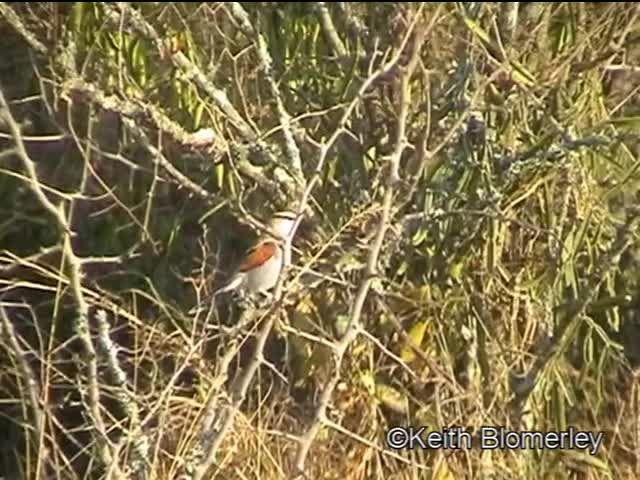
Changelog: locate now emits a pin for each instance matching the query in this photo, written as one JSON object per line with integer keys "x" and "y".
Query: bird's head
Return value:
{"x": 282, "y": 222}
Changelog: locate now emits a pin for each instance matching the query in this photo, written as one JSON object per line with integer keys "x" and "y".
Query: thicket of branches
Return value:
{"x": 466, "y": 178}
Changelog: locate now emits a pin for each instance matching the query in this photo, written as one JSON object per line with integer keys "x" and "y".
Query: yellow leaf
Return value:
{"x": 392, "y": 398}
{"x": 455, "y": 270}
{"x": 442, "y": 470}
{"x": 416, "y": 334}
{"x": 419, "y": 236}
{"x": 367, "y": 380}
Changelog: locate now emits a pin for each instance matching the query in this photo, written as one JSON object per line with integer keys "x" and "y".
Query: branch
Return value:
{"x": 123, "y": 14}
{"x": 30, "y": 167}
{"x": 125, "y": 397}
{"x": 524, "y": 386}
{"x": 143, "y": 113}
{"x": 293, "y": 153}
{"x": 217, "y": 420}
{"x": 131, "y": 114}
{"x": 508, "y": 20}
{"x": 32, "y": 386}
{"x": 371, "y": 270}
{"x": 81, "y": 323}
{"x": 355, "y": 28}
{"x": 329, "y": 29}
{"x": 12, "y": 19}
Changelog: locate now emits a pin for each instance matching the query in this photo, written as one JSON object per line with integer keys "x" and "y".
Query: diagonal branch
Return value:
{"x": 127, "y": 400}
{"x": 10, "y": 16}
{"x": 329, "y": 29}
{"x": 131, "y": 113}
{"x": 225, "y": 417}
{"x": 122, "y": 14}
{"x": 32, "y": 386}
{"x": 81, "y": 323}
{"x": 371, "y": 271}
{"x": 217, "y": 424}
{"x": 125, "y": 16}
{"x": 293, "y": 153}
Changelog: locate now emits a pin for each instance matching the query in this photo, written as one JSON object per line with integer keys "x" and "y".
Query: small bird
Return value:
{"x": 261, "y": 265}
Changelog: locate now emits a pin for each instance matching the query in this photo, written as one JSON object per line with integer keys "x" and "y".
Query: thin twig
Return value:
{"x": 371, "y": 270}
{"x": 293, "y": 152}
{"x": 10, "y": 16}
{"x": 329, "y": 29}
{"x": 355, "y": 28}
{"x": 32, "y": 388}
{"x": 81, "y": 323}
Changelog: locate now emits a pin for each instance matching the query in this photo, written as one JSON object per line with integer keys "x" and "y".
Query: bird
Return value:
{"x": 260, "y": 267}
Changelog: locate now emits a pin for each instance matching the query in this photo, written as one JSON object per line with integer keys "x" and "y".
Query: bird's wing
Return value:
{"x": 258, "y": 255}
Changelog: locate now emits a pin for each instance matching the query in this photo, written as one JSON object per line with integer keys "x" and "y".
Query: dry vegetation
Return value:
{"x": 468, "y": 255}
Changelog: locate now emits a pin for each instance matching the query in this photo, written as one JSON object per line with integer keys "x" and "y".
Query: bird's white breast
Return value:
{"x": 265, "y": 276}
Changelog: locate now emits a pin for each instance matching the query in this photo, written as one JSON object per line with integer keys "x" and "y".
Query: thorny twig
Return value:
{"x": 81, "y": 323}
{"x": 524, "y": 385}
{"x": 371, "y": 271}
{"x": 293, "y": 153}
{"x": 227, "y": 413}
{"x": 32, "y": 387}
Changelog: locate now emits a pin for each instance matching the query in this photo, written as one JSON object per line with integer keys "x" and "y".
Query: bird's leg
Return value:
{"x": 265, "y": 297}
{"x": 244, "y": 301}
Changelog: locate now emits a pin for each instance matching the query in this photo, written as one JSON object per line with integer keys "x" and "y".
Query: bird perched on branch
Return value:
{"x": 262, "y": 263}
{"x": 260, "y": 267}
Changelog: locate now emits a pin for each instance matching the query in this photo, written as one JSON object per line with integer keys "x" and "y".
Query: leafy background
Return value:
{"x": 504, "y": 292}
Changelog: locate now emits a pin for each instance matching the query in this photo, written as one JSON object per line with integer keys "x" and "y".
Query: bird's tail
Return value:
{"x": 231, "y": 285}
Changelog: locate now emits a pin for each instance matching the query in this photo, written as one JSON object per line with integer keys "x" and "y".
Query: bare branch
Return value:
{"x": 10, "y": 16}
{"x": 123, "y": 14}
{"x": 81, "y": 320}
{"x": 134, "y": 19}
{"x": 356, "y": 29}
{"x": 30, "y": 167}
{"x": 130, "y": 115}
{"x": 217, "y": 418}
{"x": 293, "y": 153}
{"x": 329, "y": 29}
{"x": 354, "y": 327}
{"x": 125, "y": 397}
{"x": 32, "y": 387}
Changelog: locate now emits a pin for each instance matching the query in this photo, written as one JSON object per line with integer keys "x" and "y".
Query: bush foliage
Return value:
{"x": 466, "y": 178}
